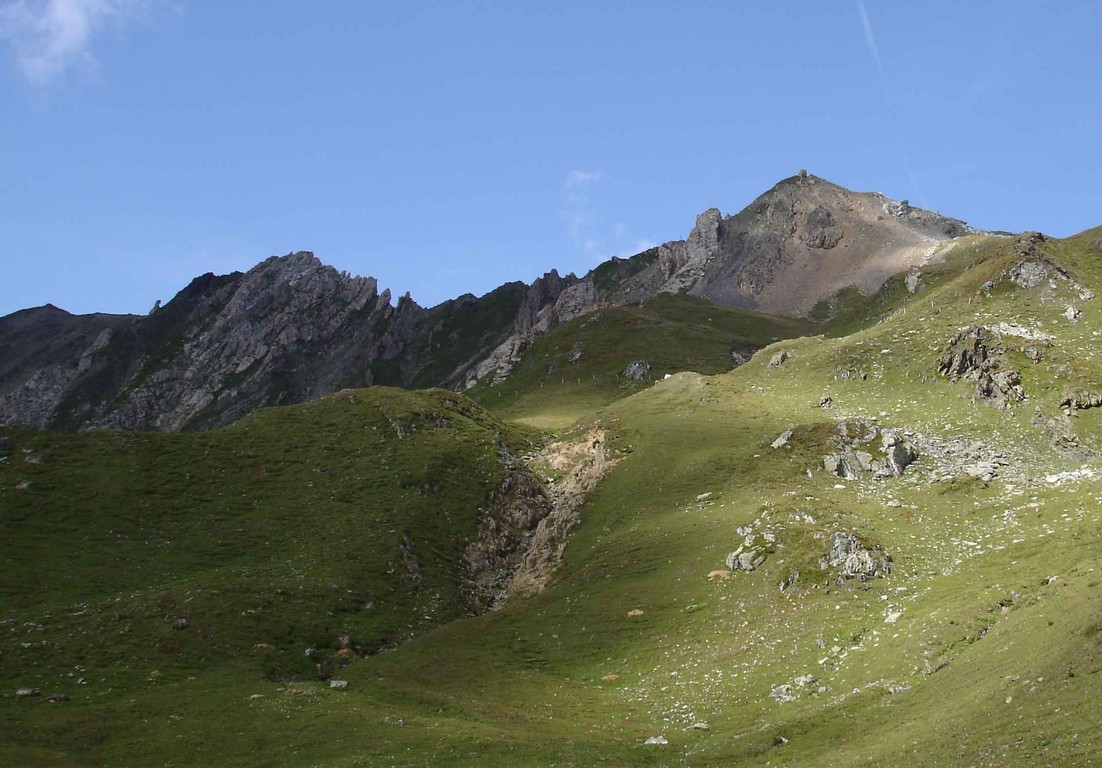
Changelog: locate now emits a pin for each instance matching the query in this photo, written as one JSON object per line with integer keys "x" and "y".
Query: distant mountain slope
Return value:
{"x": 291, "y": 328}
{"x": 794, "y": 246}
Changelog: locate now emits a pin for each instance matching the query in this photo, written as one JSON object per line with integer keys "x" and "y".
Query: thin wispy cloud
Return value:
{"x": 578, "y": 200}
{"x": 870, "y": 38}
{"x": 577, "y": 179}
{"x": 598, "y": 240}
{"x": 49, "y": 38}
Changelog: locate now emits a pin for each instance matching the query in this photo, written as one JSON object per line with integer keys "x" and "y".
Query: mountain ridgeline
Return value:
{"x": 292, "y": 329}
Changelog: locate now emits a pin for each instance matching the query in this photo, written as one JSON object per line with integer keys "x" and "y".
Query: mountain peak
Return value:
{"x": 795, "y": 245}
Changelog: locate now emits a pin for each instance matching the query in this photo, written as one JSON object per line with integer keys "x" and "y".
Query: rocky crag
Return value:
{"x": 292, "y": 329}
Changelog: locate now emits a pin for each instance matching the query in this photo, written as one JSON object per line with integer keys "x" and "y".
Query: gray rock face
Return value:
{"x": 841, "y": 465}
{"x": 898, "y": 453}
{"x": 748, "y": 560}
{"x": 794, "y": 246}
{"x": 965, "y": 353}
{"x": 967, "y": 356}
{"x": 637, "y": 370}
{"x": 850, "y": 558}
{"x": 289, "y": 330}
{"x": 849, "y": 462}
{"x": 1030, "y": 271}
{"x": 820, "y": 230}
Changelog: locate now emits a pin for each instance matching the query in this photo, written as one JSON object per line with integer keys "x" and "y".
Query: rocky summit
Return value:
{"x": 291, "y": 328}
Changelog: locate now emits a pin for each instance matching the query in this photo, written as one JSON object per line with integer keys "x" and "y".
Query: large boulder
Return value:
{"x": 898, "y": 452}
{"x": 637, "y": 370}
{"x": 850, "y": 558}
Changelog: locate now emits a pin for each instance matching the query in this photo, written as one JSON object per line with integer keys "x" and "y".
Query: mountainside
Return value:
{"x": 292, "y": 329}
{"x": 793, "y": 247}
{"x": 875, "y": 546}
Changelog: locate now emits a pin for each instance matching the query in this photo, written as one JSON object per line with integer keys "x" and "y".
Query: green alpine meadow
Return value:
{"x": 808, "y": 506}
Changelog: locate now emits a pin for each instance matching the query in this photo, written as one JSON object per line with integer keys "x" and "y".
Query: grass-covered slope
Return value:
{"x": 981, "y": 647}
{"x": 344, "y": 518}
{"x": 580, "y": 366}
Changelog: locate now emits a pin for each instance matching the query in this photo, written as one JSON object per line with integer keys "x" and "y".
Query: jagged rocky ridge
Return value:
{"x": 292, "y": 329}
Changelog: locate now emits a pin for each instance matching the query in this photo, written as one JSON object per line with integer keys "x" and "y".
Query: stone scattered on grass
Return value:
{"x": 778, "y": 358}
{"x": 338, "y": 684}
{"x": 24, "y": 693}
{"x": 744, "y": 559}
{"x": 782, "y": 441}
{"x": 634, "y": 613}
{"x": 782, "y": 693}
{"x": 656, "y": 741}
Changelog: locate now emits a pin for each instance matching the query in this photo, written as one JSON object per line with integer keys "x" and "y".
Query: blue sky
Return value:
{"x": 448, "y": 147}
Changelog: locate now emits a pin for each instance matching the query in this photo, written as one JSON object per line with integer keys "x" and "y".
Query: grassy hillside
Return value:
{"x": 981, "y": 647}
{"x": 580, "y": 366}
{"x": 343, "y": 518}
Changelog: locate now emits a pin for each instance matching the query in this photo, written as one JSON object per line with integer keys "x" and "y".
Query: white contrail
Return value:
{"x": 870, "y": 38}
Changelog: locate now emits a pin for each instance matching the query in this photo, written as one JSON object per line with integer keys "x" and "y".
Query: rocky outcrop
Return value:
{"x": 1080, "y": 401}
{"x": 576, "y": 466}
{"x": 550, "y": 301}
{"x": 504, "y": 536}
{"x": 967, "y": 356}
{"x": 637, "y": 370}
{"x": 289, "y": 330}
{"x": 852, "y": 462}
{"x": 850, "y": 558}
